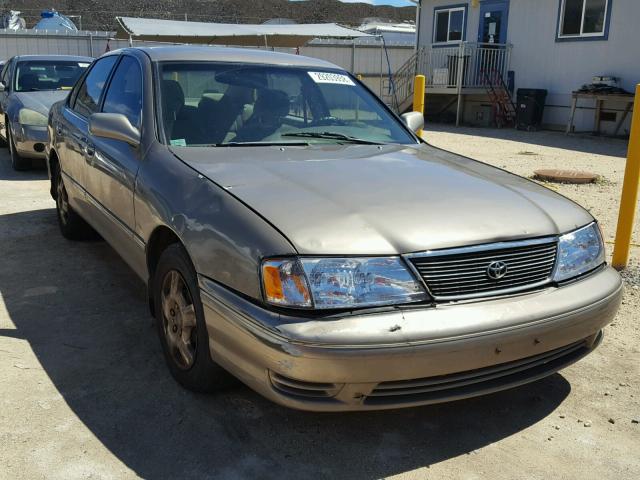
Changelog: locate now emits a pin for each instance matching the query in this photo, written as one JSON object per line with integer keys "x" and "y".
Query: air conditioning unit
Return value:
{"x": 441, "y": 76}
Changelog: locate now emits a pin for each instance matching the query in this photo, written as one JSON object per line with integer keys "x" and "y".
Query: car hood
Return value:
{"x": 41, "y": 102}
{"x": 362, "y": 199}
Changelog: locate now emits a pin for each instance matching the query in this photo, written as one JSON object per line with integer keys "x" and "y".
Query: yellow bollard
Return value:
{"x": 629, "y": 201}
{"x": 418, "y": 97}
{"x": 359, "y": 76}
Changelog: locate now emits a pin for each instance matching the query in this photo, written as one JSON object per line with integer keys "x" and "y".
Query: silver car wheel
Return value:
{"x": 179, "y": 320}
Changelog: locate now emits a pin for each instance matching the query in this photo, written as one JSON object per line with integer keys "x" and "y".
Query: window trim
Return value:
{"x": 450, "y": 8}
{"x": 604, "y": 35}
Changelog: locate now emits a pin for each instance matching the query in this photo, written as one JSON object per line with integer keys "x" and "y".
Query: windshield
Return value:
{"x": 242, "y": 105}
{"x": 32, "y": 76}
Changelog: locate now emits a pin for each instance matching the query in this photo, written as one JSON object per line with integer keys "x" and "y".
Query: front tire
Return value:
{"x": 181, "y": 325}
{"x": 17, "y": 162}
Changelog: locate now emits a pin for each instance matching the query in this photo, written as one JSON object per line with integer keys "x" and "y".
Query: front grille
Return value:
{"x": 473, "y": 382}
{"x": 462, "y": 273}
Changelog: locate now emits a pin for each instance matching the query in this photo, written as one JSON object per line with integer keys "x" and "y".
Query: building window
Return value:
{"x": 583, "y": 19}
{"x": 449, "y": 24}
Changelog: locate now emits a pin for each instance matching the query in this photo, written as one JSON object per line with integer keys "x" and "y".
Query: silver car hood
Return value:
{"x": 41, "y": 102}
{"x": 362, "y": 199}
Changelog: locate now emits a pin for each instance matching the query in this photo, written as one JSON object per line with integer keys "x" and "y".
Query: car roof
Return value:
{"x": 72, "y": 58}
{"x": 229, "y": 54}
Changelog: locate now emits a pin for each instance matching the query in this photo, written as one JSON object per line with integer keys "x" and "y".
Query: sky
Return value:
{"x": 395, "y": 3}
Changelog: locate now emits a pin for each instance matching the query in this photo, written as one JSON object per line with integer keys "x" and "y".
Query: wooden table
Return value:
{"x": 600, "y": 98}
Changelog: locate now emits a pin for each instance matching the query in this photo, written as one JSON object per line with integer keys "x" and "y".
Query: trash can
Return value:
{"x": 530, "y": 108}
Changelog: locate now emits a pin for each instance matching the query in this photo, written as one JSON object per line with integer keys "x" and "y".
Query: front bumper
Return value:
{"x": 407, "y": 357}
{"x": 30, "y": 141}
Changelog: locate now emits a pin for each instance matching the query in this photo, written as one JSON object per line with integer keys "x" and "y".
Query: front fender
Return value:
{"x": 225, "y": 239}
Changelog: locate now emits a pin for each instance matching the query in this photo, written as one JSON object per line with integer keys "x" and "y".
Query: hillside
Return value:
{"x": 100, "y": 14}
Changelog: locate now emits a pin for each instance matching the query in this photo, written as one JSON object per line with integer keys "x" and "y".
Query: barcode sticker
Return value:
{"x": 328, "y": 77}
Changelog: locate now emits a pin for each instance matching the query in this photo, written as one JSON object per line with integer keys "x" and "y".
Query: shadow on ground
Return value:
{"x": 38, "y": 171}
{"x": 597, "y": 145}
{"x": 85, "y": 317}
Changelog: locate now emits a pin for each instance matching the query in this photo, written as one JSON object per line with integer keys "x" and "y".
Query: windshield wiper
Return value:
{"x": 333, "y": 136}
{"x": 252, "y": 144}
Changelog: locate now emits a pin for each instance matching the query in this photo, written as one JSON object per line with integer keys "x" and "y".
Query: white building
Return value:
{"x": 557, "y": 45}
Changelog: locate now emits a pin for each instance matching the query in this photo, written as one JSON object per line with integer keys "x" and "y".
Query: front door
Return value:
{"x": 112, "y": 166}
{"x": 494, "y": 16}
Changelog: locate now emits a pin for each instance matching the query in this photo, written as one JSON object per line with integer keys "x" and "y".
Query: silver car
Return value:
{"x": 294, "y": 232}
{"x": 29, "y": 85}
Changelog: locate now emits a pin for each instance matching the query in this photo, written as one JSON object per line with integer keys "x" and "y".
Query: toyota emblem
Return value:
{"x": 497, "y": 270}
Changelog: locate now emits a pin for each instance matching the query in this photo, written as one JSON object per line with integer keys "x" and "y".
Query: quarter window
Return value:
{"x": 125, "y": 91}
{"x": 88, "y": 98}
{"x": 449, "y": 25}
{"x": 583, "y": 18}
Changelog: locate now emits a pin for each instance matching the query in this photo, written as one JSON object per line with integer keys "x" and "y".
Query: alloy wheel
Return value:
{"x": 179, "y": 320}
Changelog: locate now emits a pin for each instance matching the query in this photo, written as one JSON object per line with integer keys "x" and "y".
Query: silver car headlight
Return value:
{"x": 579, "y": 252}
{"x": 29, "y": 117}
{"x": 352, "y": 282}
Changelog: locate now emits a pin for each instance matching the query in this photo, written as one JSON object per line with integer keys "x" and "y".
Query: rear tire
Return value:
{"x": 17, "y": 162}
{"x": 181, "y": 325}
{"x": 72, "y": 225}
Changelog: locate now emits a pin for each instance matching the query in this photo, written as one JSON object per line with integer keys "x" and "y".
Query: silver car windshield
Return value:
{"x": 33, "y": 76}
{"x": 206, "y": 103}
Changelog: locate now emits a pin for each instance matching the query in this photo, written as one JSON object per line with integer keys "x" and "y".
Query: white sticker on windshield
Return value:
{"x": 83, "y": 64}
{"x": 328, "y": 77}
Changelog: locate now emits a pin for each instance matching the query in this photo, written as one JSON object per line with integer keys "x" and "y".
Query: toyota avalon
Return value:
{"x": 295, "y": 233}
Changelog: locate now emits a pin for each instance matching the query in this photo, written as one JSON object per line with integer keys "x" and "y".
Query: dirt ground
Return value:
{"x": 84, "y": 392}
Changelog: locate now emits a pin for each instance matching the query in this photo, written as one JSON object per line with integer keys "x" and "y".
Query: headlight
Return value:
{"x": 32, "y": 118}
{"x": 324, "y": 283}
{"x": 579, "y": 252}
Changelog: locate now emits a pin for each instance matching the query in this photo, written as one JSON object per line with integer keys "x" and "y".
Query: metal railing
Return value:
{"x": 467, "y": 65}
{"x": 398, "y": 89}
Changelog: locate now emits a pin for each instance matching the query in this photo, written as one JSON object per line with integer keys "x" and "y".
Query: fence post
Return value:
{"x": 418, "y": 97}
{"x": 629, "y": 200}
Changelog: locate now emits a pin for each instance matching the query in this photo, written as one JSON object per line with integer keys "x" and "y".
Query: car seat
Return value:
{"x": 269, "y": 111}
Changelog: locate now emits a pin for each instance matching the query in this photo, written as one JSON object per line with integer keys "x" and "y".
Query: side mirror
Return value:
{"x": 3, "y": 87}
{"x": 413, "y": 120}
{"x": 115, "y": 126}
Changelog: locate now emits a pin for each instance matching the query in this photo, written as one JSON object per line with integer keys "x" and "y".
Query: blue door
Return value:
{"x": 494, "y": 16}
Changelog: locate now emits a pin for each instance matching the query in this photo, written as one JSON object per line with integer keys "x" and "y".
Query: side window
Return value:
{"x": 583, "y": 18}
{"x": 125, "y": 91}
{"x": 449, "y": 24}
{"x": 88, "y": 97}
